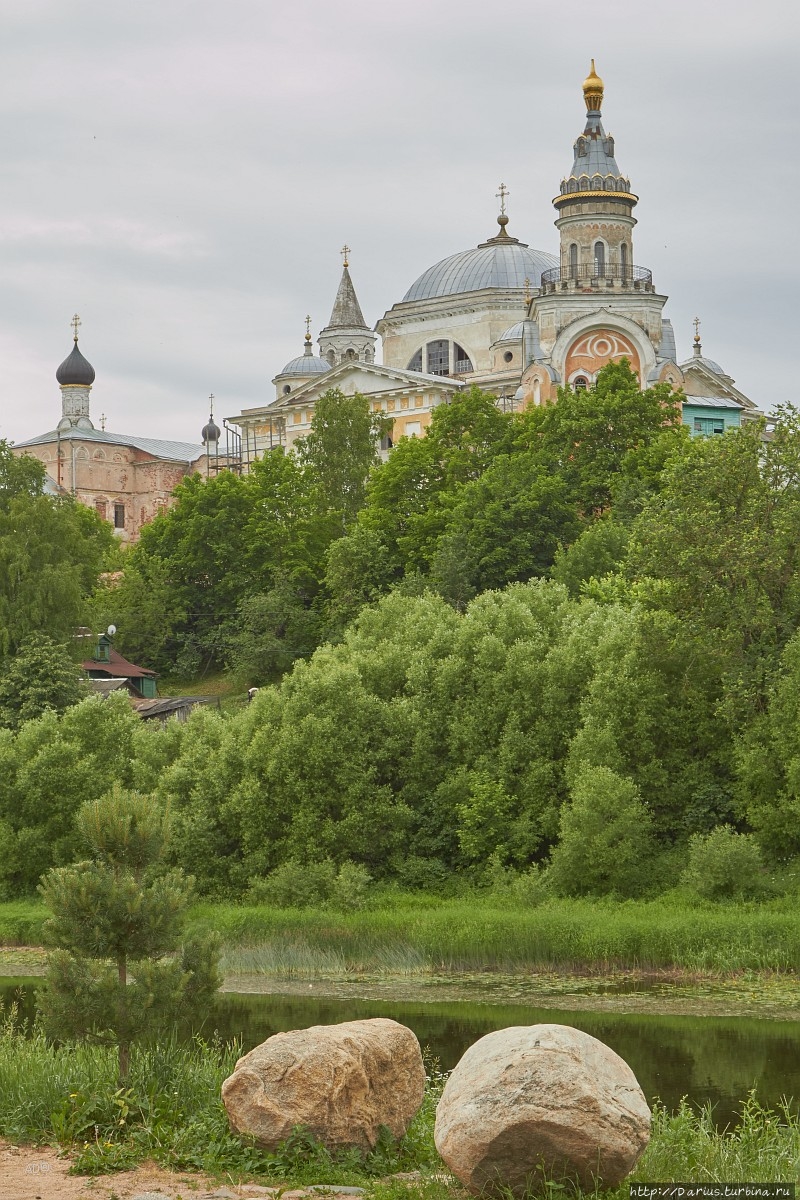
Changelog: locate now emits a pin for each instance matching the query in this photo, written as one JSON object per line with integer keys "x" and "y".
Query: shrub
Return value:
{"x": 606, "y": 841}
{"x": 312, "y": 885}
{"x": 724, "y": 863}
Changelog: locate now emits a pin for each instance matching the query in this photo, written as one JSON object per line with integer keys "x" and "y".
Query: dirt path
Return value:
{"x": 38, "y": 1173}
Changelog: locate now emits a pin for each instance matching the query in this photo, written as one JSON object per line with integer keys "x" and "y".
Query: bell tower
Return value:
{"x": 595, "y": 203}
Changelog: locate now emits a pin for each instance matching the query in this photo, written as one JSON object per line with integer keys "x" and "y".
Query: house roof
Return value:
{"x": 117, "y": 667}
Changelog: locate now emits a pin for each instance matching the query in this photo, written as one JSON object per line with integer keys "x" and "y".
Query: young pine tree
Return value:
{"x": 122, "y": 969}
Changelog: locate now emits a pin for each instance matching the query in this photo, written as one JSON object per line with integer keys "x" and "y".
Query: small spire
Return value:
{"x": 593, "y": 89}
{"x": 211, "y": 406}
{"x": 502, "y": 220}
{"x": 698, "y": 349}
{"x": 308, "y": 327}
{"x": 345, "y": 251}
{"x": 308, "y": 349}
{"x": 75, "y": 323}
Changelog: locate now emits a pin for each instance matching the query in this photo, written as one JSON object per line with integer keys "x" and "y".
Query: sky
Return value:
{"x": 183, "y": 174}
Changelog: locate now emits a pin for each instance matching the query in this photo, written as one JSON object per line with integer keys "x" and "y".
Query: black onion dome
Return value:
{"x": 211, "y": 431}
{"x": 75, "y": 369}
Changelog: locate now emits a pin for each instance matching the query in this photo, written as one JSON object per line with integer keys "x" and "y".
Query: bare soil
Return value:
{"x": 41, "y": 1173}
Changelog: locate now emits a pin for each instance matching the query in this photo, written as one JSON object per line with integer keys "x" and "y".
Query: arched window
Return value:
{"x": 463, "y": 362}
{"x": 416, "y": 362}
{"x": 581, "y": 384}
{"x": 331, "y": 357}
{"x": 287, "y": 387}
{"x": 599, "y": 258}
{"x": 623, "y": 258}
{"x": 573, "y": 261}
{"x": 350, "y": 355}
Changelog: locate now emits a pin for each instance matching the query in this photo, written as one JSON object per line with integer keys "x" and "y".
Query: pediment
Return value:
{"x": 368, "y": 379}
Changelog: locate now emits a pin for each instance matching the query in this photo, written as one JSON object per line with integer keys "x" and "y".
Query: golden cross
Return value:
{"x": 75, "y": 322}
{"x": 308, "y": 327}
{"x": 501, "y": 196}
{"x": 211, "y": 403}
{"x": 345, "y": 250}
{"x": 103, "y": 420}
{"x": 696, "y": 324}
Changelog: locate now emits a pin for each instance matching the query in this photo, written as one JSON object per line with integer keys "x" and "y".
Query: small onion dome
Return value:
{"x": 593, "y": 88}
{"x": 211, "y": 431}
{"x": 75, "y": 370}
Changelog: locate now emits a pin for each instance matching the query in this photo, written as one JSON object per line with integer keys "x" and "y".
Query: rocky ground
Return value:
{"x": 40, "y": 1173}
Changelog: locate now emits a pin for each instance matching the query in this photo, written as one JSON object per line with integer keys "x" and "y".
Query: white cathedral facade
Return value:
{"x": 515, "y": 321}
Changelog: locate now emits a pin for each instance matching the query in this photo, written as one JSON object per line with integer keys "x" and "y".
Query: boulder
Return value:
{"x": 343, "y": 1082}
{"x": 541, "y": 1101}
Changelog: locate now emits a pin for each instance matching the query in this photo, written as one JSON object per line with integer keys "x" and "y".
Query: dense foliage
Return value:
{"x": 566, "y": 641}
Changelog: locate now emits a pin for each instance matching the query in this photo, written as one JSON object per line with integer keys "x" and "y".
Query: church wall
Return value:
{"x": 107, "y": 475}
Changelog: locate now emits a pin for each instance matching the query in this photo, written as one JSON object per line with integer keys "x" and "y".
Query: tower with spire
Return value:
{"x": 595, "y": 202}
{"x": 347, "y": 335}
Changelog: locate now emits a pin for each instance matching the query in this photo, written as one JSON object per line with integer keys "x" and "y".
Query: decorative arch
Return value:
{"x": 592, "y": 351}
{"x": 603, "y": 320}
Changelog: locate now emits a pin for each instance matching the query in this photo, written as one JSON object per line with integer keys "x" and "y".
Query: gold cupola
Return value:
{"x": 593, "y": 91}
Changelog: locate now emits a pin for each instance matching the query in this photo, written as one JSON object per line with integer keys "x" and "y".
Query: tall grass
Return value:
{"x": 402, "y": 934}
{"x": 469, "y": 935}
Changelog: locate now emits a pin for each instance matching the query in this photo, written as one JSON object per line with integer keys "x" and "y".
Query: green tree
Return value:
{"x": 41, "y": 677}
{"x": 606, "y": 843}
{"x": 51, "y": 552}
{"x": 123, "y": 968}
{"x": 340, "y": 450}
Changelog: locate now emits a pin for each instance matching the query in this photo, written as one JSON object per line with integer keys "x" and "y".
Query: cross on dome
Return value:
{"x": 501, "y": 196}
{"x": 345, "y": 251}
{"x": 75, "y": 323}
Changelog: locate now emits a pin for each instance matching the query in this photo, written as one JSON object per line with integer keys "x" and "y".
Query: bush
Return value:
{"x": 312, "y": 885}
{"x": 606, "y": 841}
{"x": 723, "y": 864}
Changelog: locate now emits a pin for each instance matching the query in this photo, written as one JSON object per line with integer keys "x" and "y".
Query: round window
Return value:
{"x": 508, "y": 356}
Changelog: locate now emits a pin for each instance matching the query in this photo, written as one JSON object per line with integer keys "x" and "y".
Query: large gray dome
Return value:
{"x": 501, "y": 263}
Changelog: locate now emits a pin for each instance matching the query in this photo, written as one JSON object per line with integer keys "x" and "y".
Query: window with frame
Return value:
{"x": 463, "y": 362}
{"x": 416, "y": 362}
{"x": 119, "y": 516}
{"x": 438, "y": 354}
{"x": 709, "y": 425}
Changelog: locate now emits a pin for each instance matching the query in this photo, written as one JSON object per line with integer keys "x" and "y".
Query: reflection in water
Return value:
{"x": 709, "y": 1059}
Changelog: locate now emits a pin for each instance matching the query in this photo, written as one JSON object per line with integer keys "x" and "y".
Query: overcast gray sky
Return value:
{"x": 182, "y": 173}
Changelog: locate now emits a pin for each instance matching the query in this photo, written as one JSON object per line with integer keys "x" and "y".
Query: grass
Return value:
{"x": 412, "y": 933}
{"x": 171, "y": 1112}
{"x": 403, "y": 935}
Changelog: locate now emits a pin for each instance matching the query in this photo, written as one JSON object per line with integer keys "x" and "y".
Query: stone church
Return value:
{"x": 127, "y": 479}
{"x": 515, "y": 321}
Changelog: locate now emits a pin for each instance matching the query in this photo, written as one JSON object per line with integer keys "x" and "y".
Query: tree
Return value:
{"x": 606, "y": 839}
{"x": 340, "y": 450}
{"x": 115, "y": 919}
{"x": 51, "y": 552}
{"x": 41, "y": 677}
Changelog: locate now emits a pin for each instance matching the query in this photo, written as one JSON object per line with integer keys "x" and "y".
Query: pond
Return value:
{"x": 716, "y": 1060}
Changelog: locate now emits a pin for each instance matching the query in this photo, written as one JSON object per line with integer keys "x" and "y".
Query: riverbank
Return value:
{"x": 414, "y": 934}
{"x": 170, "y": 1113}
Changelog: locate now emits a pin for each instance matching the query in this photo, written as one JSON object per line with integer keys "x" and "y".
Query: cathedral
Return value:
{"x": 515, "y": 321}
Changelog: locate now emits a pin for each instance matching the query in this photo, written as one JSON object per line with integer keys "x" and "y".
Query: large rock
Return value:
{"x": 540, "y": 1097}
{"x": 340, "y": 1081}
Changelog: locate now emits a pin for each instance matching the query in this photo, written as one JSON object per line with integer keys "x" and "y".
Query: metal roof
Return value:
{"x": 501, "y": 263}
{"x": 712, "y": 402}
{"x": 75, "y": 369}
{"x": 305, "y": 364}
{"x": 513, "y": 334}
{"x": 346, "y": 312}
{"x": 157, "y": 447}
{"x": 708, "y": 363}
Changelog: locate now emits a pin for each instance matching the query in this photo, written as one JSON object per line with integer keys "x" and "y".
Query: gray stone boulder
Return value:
{"x": 343, "y": 1082}
{"x": 540, "y": 1101}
